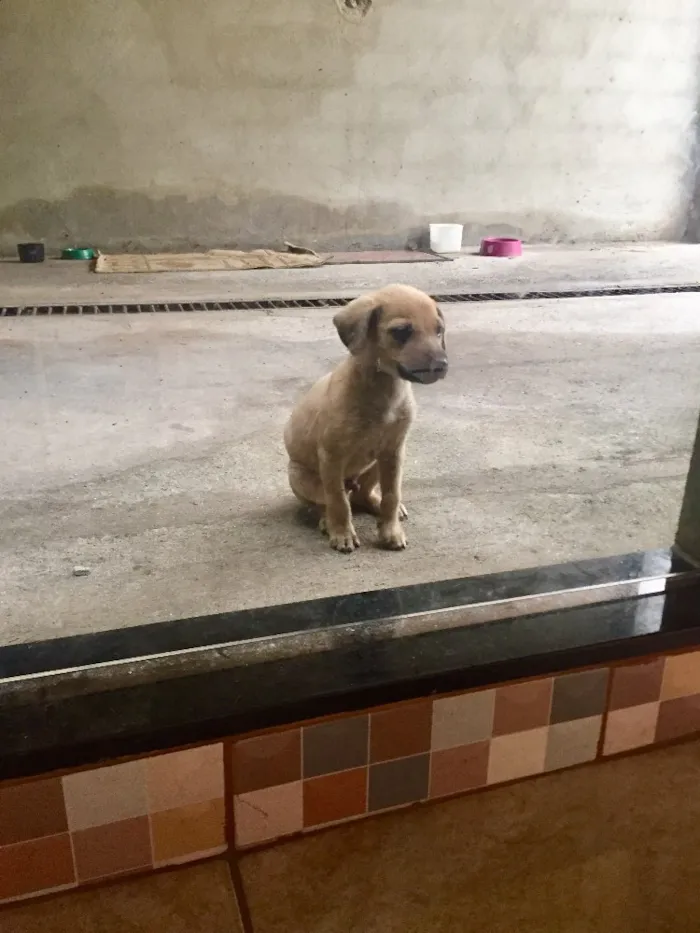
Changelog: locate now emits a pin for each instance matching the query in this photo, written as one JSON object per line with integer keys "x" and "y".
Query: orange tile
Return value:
{"x": 29, "y": 811}
{"x": 630, "y": 728}
{"x": 518, "y": 755}
{"x": 453, "y": 770}
{"x": 335, "y": 797}
{"x": 522, "y": 707}
{"x": 195, "y": 775}
{"x": 32, "y": 867}
{"x": 103, "y": 851}
{"x": 401, "y": 731}
{"x": 267, "y": 761}
{"x": 269, "y": 813}
{"x": 681, "y": 676}
{"x": 678, "y": 717}
{"x": 188, "y": 831}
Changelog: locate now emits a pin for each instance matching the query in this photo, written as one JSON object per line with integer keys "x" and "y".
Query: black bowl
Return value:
{"x": 30, "y": 252}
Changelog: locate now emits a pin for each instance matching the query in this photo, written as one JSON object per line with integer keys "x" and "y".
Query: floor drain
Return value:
{"x": 271, "y": 305}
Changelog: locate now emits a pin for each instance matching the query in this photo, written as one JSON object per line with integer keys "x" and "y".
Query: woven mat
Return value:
{"x": 231, "y": 260}
{"x": 214, "y": 260}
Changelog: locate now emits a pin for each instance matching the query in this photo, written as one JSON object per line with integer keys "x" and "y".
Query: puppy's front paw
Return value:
{"x": 344, "y": 541}
{"x": 392, "y": 537}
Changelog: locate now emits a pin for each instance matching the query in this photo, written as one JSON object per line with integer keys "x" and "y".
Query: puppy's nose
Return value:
{"x": 439, "y": 365}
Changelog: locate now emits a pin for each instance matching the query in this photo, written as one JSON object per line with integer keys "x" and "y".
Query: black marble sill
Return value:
{"x": 52, "y": 733}
{"x": 325, "y": 614}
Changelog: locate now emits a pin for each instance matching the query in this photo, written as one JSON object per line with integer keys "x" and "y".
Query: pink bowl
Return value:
{"x": 502, "y": 246}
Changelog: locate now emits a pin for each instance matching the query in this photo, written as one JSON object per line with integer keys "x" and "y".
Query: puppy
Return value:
{"x": 346, "y": 438}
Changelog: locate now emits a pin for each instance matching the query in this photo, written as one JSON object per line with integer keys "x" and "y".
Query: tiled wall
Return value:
{"x": 308, "y": 776}
{"x": 61, "y": 832}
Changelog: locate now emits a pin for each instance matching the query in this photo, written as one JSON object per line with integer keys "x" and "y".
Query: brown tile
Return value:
{"x": 681, "y": 676}
{"x": 521, "y": 707}
{"x": 106, "y": 795}
{"x": 112, "y": 849}
{"x": 401, "y": 731}
{"x": 395, "y": 783}
{"x": 196, "y": 899}
{"x": 195, "y": 775}
{"x": 197, "y": 828}
{"x": 678, "y": 717}
{"x": 463, "y": 720}
{"x": 633, "y": 727}
{"x": 39, "y": 865}
{"x": 269, "y": 813}
{"x": 335, "y": 797}
{"x": 635, "y": 684}
{"x": 453, "y": 770}
{"x": 29, "y": 811}
{"x": 579, "y": 696}
{"x": 267, "y": 760}
{"x": 335, "y": 746}
{"x": 572, "y": 743}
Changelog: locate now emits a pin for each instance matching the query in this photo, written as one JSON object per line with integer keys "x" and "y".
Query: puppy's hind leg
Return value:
{"x": 308, "y": 488}
{"x": 306, "y": 485}
{"x": 366, "y": 497}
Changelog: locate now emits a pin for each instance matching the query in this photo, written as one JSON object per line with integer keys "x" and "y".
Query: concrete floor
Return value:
{"x": 149, "y": 449}
{"x": 541, "y": 268}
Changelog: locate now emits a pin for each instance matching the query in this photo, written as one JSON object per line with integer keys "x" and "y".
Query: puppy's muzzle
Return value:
{"x": 425, "y": 375}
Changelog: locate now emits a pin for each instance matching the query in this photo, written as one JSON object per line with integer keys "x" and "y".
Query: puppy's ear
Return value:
{"x": 356, "y": 323}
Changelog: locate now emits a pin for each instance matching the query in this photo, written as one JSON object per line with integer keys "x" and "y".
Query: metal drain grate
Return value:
{"x": 284, "y": 304}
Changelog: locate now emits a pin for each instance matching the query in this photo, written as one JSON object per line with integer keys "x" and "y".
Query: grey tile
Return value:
{"x": 578, "y": 696}
{"x": 462, "y": 720}
{"x": 573, "y": 742}
{"x": 394, "y": 783}
{"x": 335, "y": 746}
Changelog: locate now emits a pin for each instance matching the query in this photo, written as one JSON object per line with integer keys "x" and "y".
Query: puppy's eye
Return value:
{"x": 402, "y": 333}
{"x": 440, "y": 330}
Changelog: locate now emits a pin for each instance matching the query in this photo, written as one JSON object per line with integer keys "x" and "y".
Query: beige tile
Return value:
{"x": 614, "y": 847}
{"x": 573, "y": 743}
{"x": 517, "y": 755}
{"x": 181, "y": 778}
{"x": 105, "y": 795}
{"x": 190, "y": 900}
{"x": 463, "y": 720}
{"x": 630, "y": 728}
{"x": 681, "y": 676}
{"x": 268, "y": 813}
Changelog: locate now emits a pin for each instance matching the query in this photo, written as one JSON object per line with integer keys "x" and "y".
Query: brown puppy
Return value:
{"x": 346, "y": 437}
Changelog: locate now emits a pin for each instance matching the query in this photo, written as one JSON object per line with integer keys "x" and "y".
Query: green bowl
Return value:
{"x": 78, "y": 252}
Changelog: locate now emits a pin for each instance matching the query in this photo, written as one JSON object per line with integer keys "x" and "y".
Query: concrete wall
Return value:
{"x": 168, "y": 122}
